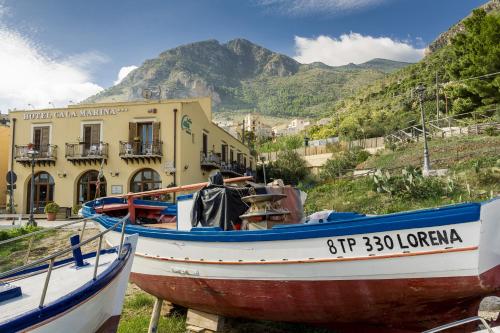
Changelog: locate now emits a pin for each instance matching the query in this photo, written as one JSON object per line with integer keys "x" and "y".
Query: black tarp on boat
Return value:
{"x": 218, "y": 205}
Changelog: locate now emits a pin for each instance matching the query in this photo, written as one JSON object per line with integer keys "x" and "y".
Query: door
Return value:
{"x": 88, "y": 186}
{"x": 41, "y": 139}
{"x": 145, "y": 134}
{"x": 91, "y": 138}
{"x": 44, "y": 192}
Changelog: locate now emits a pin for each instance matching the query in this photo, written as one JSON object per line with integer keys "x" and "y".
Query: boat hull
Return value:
{"x": 389, "y": 303}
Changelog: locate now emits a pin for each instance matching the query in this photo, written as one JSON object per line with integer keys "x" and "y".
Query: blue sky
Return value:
{"x": 61, "y": 50}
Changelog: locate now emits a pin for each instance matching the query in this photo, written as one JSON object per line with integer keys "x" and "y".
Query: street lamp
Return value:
{"x": 32, "y": 154}
{"x": 263, "y": 159}
{"x": 420, "y": 89}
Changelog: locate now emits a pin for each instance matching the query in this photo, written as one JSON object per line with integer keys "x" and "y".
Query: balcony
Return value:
{"x": 81, "y": 153}
{"x": 131, "y": 151}
{"x": 46, "y": 155}
{"x": 209, "y": 161}
{"x": 233, "y": 169}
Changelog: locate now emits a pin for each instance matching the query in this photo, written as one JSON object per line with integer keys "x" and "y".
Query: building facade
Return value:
{"x": 4, "y": 160}
{"x": 87, "y": 151}
{"x": 253, "y": 124}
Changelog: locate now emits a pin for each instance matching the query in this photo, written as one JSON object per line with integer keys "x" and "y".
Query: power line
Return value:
{"x": 472, "y": 78}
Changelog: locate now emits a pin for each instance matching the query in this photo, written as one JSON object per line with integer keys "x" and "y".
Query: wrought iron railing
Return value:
{"x": 86, "y": 151}
{"x": 137, "y": 148}
{"x": 233, "y": 167}
{"x": 210, "y": 159}
{"x": 42, "y": 152}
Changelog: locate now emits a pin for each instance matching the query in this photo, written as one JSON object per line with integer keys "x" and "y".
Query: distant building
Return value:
{"x": 279, "y": 130}
{"x": 253, "y": 124}
{"x": 298, "y": 125}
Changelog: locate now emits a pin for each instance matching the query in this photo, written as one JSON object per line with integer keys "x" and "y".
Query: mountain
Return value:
{"x": 242, "y": 76}
{"x": 466, "y": 61}
{"x": 446, "y": 37}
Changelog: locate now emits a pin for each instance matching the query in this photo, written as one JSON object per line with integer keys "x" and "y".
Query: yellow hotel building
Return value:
{"x": 140, "y": 146}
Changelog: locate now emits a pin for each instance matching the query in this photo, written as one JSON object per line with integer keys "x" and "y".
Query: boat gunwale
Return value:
{"x": 431, "y": 217}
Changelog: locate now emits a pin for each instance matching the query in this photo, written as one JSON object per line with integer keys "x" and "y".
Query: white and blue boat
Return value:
{"x": 81, "y": 294}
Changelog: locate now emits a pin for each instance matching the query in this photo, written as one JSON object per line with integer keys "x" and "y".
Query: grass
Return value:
{"x": 139, "y": 305}
{"x": 137, "y": 312}
{"x": 13, "y": 254}
{"x": 443, "y": 152}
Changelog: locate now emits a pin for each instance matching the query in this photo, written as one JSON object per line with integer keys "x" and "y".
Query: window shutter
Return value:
{"x": 132, "y": 131}
{"x": 156, "y": 132}
{"x": 95, "y": 133}
{"x": 45, "y": 137}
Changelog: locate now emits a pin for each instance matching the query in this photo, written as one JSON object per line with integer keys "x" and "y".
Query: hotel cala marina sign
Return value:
{"x": 84, "y": 113}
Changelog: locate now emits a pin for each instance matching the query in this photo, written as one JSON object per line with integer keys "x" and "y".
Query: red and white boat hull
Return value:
{"x": 407, "y": 279}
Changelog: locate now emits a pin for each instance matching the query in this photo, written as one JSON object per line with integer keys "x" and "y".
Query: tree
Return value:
{"x": 289, "y": 166}
{"x": 476, "y": 52}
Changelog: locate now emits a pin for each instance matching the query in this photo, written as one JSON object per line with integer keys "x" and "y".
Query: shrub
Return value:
{"x": 76, "y": 208}
{"x": 289, "y": 166}
{"x": 343, "y": 162}
{"x": 51, "y": 207}
{"x": 411, "y": 185}
{"x": 491, "y": 131}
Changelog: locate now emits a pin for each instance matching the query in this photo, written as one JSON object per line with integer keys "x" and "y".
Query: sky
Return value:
{"x": 55, "y": 52}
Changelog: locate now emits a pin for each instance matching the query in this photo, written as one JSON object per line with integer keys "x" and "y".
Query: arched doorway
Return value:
{"x": 44, "y": 192}
{"x": 145, "y": 180}
{"x": 88, "y": 185}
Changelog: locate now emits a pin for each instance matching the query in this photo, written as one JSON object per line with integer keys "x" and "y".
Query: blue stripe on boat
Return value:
{"x": 434, "y": 217}
{"x": 36, "y": 316}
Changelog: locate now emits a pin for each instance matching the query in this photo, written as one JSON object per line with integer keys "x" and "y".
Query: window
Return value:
{"x": 44, "y": 192}
{"x": 145, "y": 132}
{"x": 145, "y": 180}
{"x": 144, "y": 138}
{"x": 205, "y": 144}
{"x": 41, "y": 139}
{"x": 224, "y": 152}
{"x": 89, "y": 187}
{"x": 91, "y": 136}
{"x": 231, "y": 156}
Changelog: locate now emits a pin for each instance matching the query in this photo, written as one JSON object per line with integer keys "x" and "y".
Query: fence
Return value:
{"x": 369, "y": 143}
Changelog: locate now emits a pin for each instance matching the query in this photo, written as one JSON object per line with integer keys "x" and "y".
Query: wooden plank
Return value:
{"x": 203, "y": 320}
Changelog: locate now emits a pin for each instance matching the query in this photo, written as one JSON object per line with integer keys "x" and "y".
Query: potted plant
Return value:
{"x": 51, "y": 210}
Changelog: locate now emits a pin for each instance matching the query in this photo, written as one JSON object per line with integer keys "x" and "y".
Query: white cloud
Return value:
{"x": 353, "y": 48}
{"x": 124, "y": 71}
{"x": 311, "y": 7}
{"x": 29, "y": 76}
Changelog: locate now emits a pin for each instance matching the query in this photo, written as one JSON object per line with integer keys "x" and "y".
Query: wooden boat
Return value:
{"x": 403, "y": 272}
{"x": 83, "y": 293}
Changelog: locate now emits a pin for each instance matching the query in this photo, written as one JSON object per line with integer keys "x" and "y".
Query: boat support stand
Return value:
{"x": 155, "y": 316}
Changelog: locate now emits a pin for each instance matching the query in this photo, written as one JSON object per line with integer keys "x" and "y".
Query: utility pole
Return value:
{"x": 427, "y": 164}
{"x": 32, "y": 154}
{"x": 437, "y": 98}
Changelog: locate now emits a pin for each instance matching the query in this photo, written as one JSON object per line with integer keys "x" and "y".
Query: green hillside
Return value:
{"x": 391, "y": 103}
{"x": 242, "y": 76}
